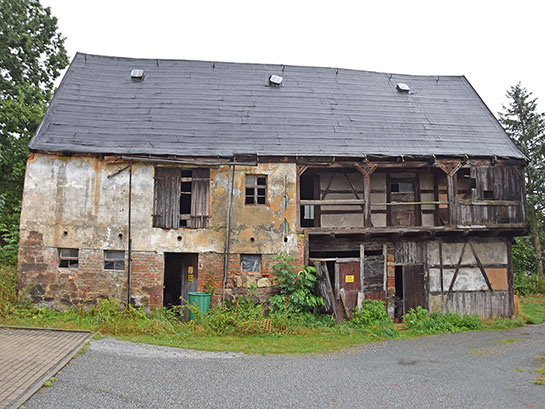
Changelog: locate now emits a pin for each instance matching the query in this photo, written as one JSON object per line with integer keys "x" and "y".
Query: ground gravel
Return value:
{"x": 467, "y": 370}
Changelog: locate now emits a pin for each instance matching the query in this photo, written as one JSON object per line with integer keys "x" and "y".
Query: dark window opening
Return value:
{"x": 256, "y": 190}
{"x": 398, "y": 301}
{"x": 68, "y": 258}
{"x": 114, "y": 260}
{"x": 250, "y": 263}
{"x": 466, "y": 184}
{"x": 308, "y": 185}
{"x": 402, "y": 187}
{"x": 181, "y": 198}
{"x": 488, "y": 194}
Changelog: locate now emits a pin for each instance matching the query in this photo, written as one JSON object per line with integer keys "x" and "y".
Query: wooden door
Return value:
{"x": 190, "y": 275}
{"x": 414, "y": 292}
{"x": 347, "y": 281}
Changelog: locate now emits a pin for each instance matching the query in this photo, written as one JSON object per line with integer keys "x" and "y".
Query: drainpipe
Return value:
{"x": 230, "y": 186}
{"x": 129, "y": 261}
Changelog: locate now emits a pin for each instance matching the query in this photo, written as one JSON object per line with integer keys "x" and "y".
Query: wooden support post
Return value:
{"x": 366, "y": 169}
{"x": 450, "y": 168}
{"x": 362, "y": 275}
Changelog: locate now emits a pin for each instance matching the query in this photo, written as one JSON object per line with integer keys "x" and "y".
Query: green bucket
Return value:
{"x": 201, "y": 301}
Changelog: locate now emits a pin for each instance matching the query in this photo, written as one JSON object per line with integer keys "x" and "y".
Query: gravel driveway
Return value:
{"x": 468, "y": 370}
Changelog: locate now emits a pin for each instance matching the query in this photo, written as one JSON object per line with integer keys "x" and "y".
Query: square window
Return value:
{"x": 68, "y": 258}
{"x": 114, "y": 260}
{"x": 250, "y": 263}
{"x": 256, "y": 190}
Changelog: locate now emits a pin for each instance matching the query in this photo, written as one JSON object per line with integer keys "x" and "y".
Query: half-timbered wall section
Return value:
{"x": 430, "y": 233}
{"x": 435, "y": 195}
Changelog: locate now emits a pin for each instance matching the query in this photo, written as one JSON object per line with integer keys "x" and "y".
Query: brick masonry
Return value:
{"x": 41, "y": 280}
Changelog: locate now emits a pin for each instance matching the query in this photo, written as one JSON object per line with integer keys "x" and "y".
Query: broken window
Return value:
{"x": 181, "y": 198}
{"x": 256, "y": 189}
{"x": 68, "y": 258}
{"x": 114, "y": 260}
{"x": 250, "y": 263}
{"x": 466, "y": 184}
{"x": 401, "y": 187}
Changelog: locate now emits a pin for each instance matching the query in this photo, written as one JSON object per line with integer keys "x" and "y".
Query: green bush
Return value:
{"x": 419, "y": 320}
{"x": 372, "y": 313}
{"x": 296, "y": 288}
{"x": 528, "y": 284}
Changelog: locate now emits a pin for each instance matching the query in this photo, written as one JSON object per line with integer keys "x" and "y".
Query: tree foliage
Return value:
{"x": 32, "y": 55}
{"x": 526, "y": 126}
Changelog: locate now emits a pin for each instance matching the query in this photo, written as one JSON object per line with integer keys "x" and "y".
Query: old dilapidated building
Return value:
{"x": 148, "y": 176}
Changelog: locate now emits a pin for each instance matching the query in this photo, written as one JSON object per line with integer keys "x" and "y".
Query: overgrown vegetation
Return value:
{"x": 296, "y": 289}
{"x": 243, "y": 325}
{"x": 32, "y": 54}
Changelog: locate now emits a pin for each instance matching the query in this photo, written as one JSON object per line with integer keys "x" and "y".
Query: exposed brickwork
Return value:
{"x": 147, "y": 278}
{"x": 41, "y": 280}
{"x": 214, "y": 262}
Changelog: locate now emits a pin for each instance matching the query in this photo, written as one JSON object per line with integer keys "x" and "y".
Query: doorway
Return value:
{"x": 410, "y": 289}
{"x": 181, "y": 277}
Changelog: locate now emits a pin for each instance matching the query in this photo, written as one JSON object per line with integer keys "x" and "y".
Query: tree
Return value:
{"x": 526, "y": 127}
{"x": 32, "y": 55}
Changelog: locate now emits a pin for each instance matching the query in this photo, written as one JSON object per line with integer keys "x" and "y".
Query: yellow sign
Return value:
{"x": 348, "y": 279}
{"x": 190, "y": 269}
{"x": 190, "y": 277}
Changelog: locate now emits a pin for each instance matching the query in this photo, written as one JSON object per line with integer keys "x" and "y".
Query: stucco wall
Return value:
{"x": 70, "y": 202}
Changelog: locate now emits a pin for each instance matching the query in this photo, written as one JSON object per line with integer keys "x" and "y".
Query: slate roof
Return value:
{"x": 199, "y": 108}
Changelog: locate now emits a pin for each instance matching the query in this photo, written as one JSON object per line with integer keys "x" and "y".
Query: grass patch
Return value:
{"x": 534, "y": 309}
{"x": 541, "y": 371}
{"x": 504, "y": 341}
{"x": 518, "y": 370}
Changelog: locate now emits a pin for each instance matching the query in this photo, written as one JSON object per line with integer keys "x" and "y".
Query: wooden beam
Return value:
{"x": 483, "y": 271}
{"x": 456, "y": 271}
{"x": 332, "y": 202}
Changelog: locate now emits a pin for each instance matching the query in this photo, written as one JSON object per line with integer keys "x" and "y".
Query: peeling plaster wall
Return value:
{"x": 69, "y": 202}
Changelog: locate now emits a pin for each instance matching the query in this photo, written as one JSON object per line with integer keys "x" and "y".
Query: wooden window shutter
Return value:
{"x": 166, "y": 212}
{"x": 200, "y": 198}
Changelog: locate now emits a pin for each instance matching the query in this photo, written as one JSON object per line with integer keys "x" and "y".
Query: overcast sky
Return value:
{"x": 495, "y": 44}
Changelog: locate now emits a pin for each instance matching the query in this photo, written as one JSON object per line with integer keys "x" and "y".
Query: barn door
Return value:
{"x": 347, "y": 285}
{"x": 414, "y": 293}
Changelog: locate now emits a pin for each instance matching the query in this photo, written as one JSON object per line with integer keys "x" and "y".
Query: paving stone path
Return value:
{"x": 29, "y": 357}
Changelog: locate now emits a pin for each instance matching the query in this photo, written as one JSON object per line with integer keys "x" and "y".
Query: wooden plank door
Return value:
{"x": 190, "y": 274}
{"x": 414, "y": 293}
{"x": 347, "y": 277}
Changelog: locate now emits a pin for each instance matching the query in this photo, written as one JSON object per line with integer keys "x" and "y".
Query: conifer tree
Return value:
{"x": 526, "y": 126}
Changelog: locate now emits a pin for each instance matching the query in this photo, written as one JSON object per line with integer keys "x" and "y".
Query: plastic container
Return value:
{"x": 201, "y": 301}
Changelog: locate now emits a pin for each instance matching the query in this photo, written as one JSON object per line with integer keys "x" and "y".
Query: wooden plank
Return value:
{"x": 331, "y": 202}
{"x": 337, "y": 282}
{"x": 345, "y": 304}
{"x": 362, "y": 268}
{"x": 324, "y": 286}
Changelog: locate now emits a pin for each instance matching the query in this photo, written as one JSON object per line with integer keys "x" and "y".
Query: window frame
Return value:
{"x": 259, "y": 257}
{"x": 255, "y": 186}
{"x": 69, "y": 259}
{"x": 114, "y": 260}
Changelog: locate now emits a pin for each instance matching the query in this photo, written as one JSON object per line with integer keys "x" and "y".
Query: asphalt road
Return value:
{"x": 468, "y": 370}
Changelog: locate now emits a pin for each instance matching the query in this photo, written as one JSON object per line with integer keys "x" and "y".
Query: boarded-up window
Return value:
{"x": 181, "y": 198}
